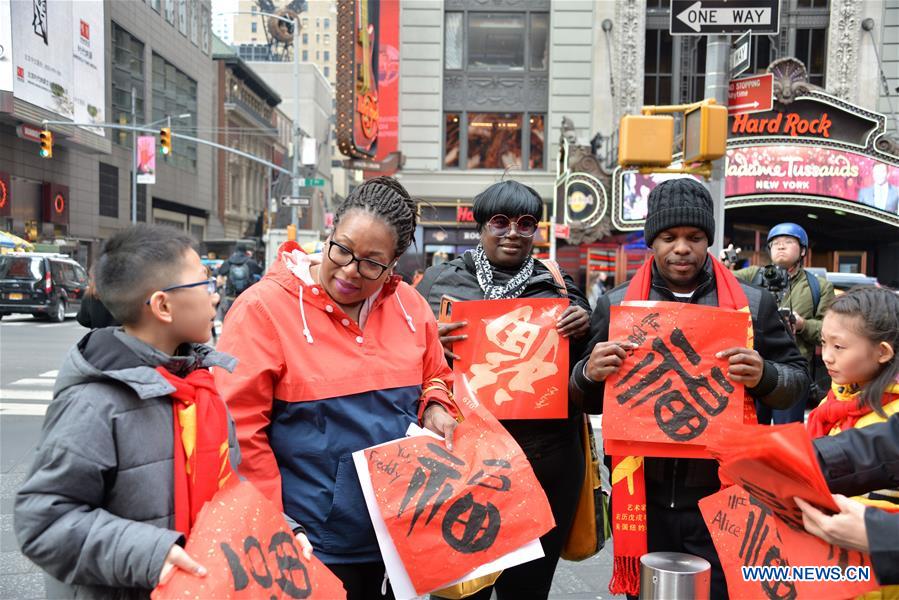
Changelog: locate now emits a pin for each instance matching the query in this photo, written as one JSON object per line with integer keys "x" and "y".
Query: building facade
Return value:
{"x": 247, "y": 121}
{"x": 157, "y": 53}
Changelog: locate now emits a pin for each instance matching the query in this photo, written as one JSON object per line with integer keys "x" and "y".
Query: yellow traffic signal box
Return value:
{"x": 705, "y": 133}
{"x": 645, "y": 140}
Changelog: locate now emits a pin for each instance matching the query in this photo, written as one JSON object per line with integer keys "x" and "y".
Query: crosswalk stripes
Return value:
{"x": 29, "y": 396}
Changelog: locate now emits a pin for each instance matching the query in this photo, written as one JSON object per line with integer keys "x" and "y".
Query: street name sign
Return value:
{"x": 309, "y": 182}
{"x": 750, "y": 94}
{"x": 712, "y": 17}
{"x": 741, "y": 55}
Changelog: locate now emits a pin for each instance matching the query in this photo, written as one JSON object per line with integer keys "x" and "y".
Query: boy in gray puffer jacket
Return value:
{"x": 98, "y": 511}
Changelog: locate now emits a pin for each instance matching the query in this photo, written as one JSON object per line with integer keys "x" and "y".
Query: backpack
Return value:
{"x": 238, "y": 278}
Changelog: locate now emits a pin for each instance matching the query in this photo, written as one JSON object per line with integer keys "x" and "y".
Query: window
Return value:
{"x": 657, "y": 67}
{"x": 318, "y": 55}
{"x": 539, "y": 41}
{"x": 327, "y": 23}
{"x": 306, "y": 38}
{"x": 318, "y": 39}
{"x": 496, "y": 40}
{"x": 305, "y": 56}
{"x": 537, "y": 131}
{"x": 451, "y": 140}
{"x": 253, "y": 27}
{"x": 812, "y": 3}
{"x": 154, "y": 4}
{"x": 811, "y": 49}
{"x": 127, "y": 75}
{"x": 453, "y": 39}
{"x": 174, "y": 93}
{"x": 327, "y": 71}
{"x": 109, "y": 191}
{"x": 170, "y": 10}
{"x": 658, "y": 4}
{"x": 182, "y": 16}
{"x": 205, "y": 35}
{"x": 305, "y": 22}
{"x": 327, "y": 39}
{"x": 327, "y": 56}
{"x": 253, "y": 8}
{"x": 494, "y": 140}
{"x": 318, "y": 22}
{"x": 195, "y": 24}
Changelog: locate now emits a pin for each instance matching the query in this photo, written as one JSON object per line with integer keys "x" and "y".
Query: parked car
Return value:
{"x": 844, "y": 281}
{"x": 42, "y": 284}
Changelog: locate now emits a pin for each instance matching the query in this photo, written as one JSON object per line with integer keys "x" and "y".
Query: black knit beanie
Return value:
{"x": 679, "y": 203}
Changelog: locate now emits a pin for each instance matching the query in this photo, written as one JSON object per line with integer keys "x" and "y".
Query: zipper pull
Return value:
{"x": 384, "y": 584}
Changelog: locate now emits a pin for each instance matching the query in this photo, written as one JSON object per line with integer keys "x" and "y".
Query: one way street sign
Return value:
{"x": 710, "y": 17}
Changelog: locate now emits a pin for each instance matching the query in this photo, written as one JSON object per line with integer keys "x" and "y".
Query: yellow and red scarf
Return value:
{"x": 202, "y": 461}
{"x": 628, "y": 482}
{"x": 840, "y": 410}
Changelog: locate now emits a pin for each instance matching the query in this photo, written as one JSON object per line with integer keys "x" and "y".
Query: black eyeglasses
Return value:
{"x": 342, "y": 256}
{"x": 209, "y": 283}
{"x": 501, "y": 225}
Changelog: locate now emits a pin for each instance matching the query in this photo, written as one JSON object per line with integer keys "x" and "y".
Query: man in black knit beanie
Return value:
{"x": 680, "y": 226}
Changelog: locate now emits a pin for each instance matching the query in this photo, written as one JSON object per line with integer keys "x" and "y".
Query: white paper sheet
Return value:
{"x": 396, "y": 572}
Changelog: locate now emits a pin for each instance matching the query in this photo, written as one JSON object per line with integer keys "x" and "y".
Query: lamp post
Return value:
{"x": 134, "y": 160}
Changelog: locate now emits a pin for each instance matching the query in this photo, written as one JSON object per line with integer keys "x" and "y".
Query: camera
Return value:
{"x": 776, "y": 280}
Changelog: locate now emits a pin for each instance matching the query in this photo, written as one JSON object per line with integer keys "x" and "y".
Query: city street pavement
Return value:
{"x": 30, "y": 354}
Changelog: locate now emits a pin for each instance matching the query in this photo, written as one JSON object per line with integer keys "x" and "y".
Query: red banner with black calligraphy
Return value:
{"x": 514, "y": 358}
{"x": 757, "y": 523}
{"x": 747, "y": 533}
{"x": 451, "y": 511}
{"x": 249, "y": 551}
{"x": 671, "y": 393}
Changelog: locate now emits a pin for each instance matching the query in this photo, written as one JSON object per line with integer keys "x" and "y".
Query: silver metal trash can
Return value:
{"x": 674, "y": 576}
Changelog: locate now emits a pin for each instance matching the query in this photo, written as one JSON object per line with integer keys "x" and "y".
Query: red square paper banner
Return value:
{"x": 747, "y": 533}
{"x": 449, "y": 512}
{"x": 249, "y": 552}
{"x": 672, "y": 393}
{"x": 514, "y": 358}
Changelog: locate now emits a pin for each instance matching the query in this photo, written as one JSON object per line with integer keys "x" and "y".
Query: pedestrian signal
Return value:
{"x": 705, "y": 133}
{"x": 645, "y": 140}
{"x": 46, "y": 143}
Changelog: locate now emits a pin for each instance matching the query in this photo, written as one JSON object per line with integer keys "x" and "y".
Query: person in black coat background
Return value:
{"x": 93, "y": 314}
{"x": 855, "y": 462}
{"x": 501, "y": 266}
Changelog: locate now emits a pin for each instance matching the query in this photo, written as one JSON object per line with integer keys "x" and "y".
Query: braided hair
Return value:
{"x": 387, "y": 199}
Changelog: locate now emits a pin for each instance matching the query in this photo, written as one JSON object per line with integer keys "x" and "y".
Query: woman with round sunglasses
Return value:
{"x": 507, "y": 214}
{"x": 336, "y": 354}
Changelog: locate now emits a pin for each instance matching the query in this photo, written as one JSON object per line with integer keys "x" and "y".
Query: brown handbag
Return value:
{"x": 589, "y": 530}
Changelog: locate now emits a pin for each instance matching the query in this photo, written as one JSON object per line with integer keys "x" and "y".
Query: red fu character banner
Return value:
{"x": 514, "y": 357}
{"x": 449, "y": 512}
{"x": 748, "y": 536}
{"x": 756, "y": 523}
{"x": 249, "y": 552}
{"x": 672, "y": 392}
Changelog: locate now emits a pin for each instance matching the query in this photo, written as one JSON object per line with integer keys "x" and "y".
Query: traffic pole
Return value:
{"x": 717, "y": 77}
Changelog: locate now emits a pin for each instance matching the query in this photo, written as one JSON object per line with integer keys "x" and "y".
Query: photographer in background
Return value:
{"x": 803, "y": 299}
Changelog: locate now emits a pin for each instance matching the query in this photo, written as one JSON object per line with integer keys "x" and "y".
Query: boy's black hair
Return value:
{"x": 878, "y": 309}
{"x": 510, "y": 198}
{"x": 136, "y": 262}
{"x": 386, "y": 198}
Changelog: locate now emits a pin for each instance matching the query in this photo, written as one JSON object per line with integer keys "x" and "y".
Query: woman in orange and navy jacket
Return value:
{"x": 335, "y": 354}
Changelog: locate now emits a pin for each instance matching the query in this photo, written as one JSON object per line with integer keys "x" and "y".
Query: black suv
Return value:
{"x": 44, "y": 285}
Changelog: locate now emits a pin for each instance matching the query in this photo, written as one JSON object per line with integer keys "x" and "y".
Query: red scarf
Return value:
{"x": 841, "y": 409}
{"x": 202, "y": 462}
{"x": 628, "y": 482}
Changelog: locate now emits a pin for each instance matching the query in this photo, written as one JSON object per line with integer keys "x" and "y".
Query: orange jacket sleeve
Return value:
{"x": 250, "y": 336}
{"x": 435, "y": 367}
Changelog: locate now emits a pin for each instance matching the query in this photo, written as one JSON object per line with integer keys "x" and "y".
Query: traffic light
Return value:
{"x": 165, "y": 140}
{"x": 46, "y": 143}
{"x": 705, "y": 133}
{"x": 645, "y": 140}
